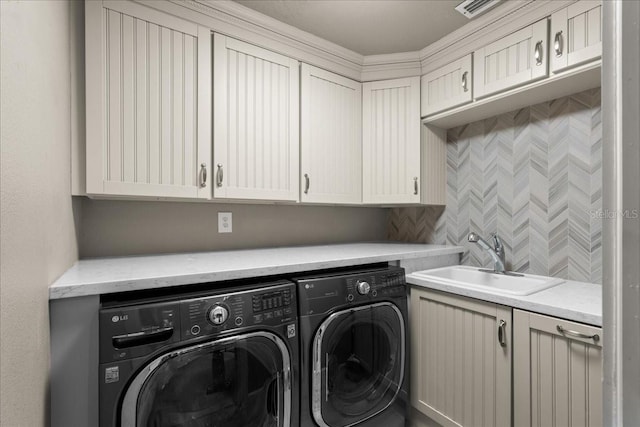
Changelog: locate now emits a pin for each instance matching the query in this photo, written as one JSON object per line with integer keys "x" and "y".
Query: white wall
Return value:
{"x": 113, "y": 228}
{"x": 38, "y": 241}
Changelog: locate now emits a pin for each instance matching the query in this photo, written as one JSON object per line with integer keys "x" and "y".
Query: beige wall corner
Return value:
{"x": 38, "y": 241}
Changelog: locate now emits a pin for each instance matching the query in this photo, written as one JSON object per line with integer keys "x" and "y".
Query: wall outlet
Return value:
{"x": 225, "y": 222}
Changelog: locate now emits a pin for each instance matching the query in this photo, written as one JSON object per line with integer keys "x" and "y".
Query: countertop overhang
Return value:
{"x": 121, "y": 274}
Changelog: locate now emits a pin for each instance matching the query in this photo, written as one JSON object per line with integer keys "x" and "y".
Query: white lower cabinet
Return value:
{"x": 557, "y": 372}
{"x": 461, "y": 359}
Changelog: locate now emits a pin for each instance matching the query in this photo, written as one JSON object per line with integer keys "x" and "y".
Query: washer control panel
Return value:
{"x": 138, "y": 328}
{"x": 270, "y": 305}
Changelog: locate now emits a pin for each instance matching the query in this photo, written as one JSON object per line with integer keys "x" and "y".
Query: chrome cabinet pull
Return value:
{"x": 415, "y": 185}
{"x": 502, "y": 333}
{"x": 465, "y": 84}
{"x": 563, "y": 331}
{"x": 219, "y": 175}
{"x": 306, "y": 183}
{"x": 203, "y": 175}
{"x": 538, "y": 53}
{"x": 557, "y": 44}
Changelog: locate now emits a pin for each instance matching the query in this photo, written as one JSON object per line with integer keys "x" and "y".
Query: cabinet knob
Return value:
{"x": 538, "y": 53}
{"x": 502, "y": 333}
{"x": 557, "y": 44}
{"x": 465, "y": 82}
{"x": 219, "y": 175}
{"x": 306, "y": 183}
{"x": 203, "y": 175}
{"x": 415, "y": 185}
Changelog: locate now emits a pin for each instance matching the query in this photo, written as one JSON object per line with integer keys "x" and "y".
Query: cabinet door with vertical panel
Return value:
{"x": 256, "y": 122}
{"x": 446, "y": 87}
{"x": 148, "y": 91}
{"x": 576, "y": 33}
{"x": 391, "y": 141}
{"x": 557, "y": 372}
{"x": 512, "y": 61}
{"x": 331, "y": 137}
{"x": 460, "y": 359}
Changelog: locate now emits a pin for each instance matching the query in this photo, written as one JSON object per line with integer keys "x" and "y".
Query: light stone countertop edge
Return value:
{"x": 575, "y": 301}
{"x": 100, "y": 276}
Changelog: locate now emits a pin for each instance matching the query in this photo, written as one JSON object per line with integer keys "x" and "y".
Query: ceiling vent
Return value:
{"x": 473, "y": 8}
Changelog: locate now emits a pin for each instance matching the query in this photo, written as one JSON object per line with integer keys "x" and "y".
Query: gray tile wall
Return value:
{"x": 534, "y": 176}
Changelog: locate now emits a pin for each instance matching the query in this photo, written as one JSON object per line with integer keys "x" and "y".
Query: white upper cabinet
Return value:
{"x": 447, "y": 87}
{"x": 576, "y": 33}
{"x": 391, "y": 141}
{"x": 331, "y": 137}
{"x": 514, "y": 60}
{"x": 255, "y": 122}
{"x": 148, "y": 102}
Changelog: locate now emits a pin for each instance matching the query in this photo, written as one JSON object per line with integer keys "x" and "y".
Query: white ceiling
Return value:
{"x": 368, "y": 27}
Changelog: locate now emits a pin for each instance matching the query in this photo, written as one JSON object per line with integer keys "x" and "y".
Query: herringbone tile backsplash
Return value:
{"x": 534, "y": 176}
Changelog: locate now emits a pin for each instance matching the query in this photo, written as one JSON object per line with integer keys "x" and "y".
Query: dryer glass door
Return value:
{"x": 358, "y": 357}
{"x": 232, "y": 382}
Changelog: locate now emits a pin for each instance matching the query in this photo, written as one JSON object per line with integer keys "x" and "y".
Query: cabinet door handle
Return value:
{"x": 219, "y": 175}
{"x": 465, "y": 83}
{"x": 502, "y": 333}
{"x": 415, "y": 185}
{"x": 557, "y": 44}
{"x": 538, "y": 53}
{"x": 203, "y": 175}
{"x": 306, "y": 183}
{"x": 563, "y": 331}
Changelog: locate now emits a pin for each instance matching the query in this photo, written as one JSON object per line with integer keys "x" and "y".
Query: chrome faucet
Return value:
{"x": 496, "y": 252}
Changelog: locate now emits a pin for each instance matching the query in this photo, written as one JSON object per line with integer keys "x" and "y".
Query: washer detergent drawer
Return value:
{"x": 358, "y": 364}
{"x": 242, "y": 380}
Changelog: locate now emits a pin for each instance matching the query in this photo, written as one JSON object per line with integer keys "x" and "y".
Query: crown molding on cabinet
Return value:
{"x": 234, "y": 20}
{"x": 238, "y": 21}
{"x": 391, "y": 66}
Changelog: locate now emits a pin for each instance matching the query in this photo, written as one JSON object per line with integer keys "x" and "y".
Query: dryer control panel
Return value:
{"x": 326, "y": 293}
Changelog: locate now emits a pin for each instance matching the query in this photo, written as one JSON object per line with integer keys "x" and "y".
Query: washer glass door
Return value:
{"x": 358, "y": 357}
{"x": 232, "y": 382}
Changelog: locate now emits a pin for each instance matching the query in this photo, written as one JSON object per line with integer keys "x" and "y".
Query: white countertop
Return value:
{"x": 576, "y": 301}
{"x": 110, "y": 275}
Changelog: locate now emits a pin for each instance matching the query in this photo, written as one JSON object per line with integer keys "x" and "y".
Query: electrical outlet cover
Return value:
{"x": 225, "y": 223}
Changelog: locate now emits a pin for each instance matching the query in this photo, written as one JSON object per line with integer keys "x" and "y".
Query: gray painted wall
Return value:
{"x": 115, "y": 228}
{"x": 534, "y": 176}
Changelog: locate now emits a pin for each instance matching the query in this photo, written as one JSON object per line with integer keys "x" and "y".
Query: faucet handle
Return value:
{"x": 499, "y": 246}
{"x": 497, "y": 242}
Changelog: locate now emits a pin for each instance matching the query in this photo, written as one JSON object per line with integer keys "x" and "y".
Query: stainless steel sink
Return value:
{"x": 475, "y": 278}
